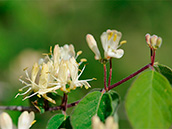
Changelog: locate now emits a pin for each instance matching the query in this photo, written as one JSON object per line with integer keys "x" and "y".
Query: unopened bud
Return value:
{"x": 93, "y": 46}
{"x": 153, "y": 40}
{"x": 158, "y": 42}
{"x": 147, "y": 37}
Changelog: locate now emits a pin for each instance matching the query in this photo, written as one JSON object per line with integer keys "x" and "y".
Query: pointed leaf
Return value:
{"x": 164, "y": 70}
{"x": 115, "y": 100}
{"x": 56, "y": 121}
{"x": 92, "y": 104}
{"x": 149, "y": 102}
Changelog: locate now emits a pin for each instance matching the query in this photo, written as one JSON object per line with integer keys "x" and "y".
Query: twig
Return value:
{"x": 18, "y": 108}
{"x": 129, "y": 77}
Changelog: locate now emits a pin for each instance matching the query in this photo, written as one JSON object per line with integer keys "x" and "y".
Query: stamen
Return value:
{"x": 25, "y": 68}
{"x": 33, "y": 122}
{"x": 49, "y": 99}
{"x": 110, "y": 35}
{"x": 39, "y": 95}
{"x": 115, "y": 36}
{"x": 81, "y": 72}
{"x": 30, "y": 96}
{"x": 23, "y": 82}
{"x": 23, "y": 93}
{"x": 24, "y": 87}
{"x": 83, "y": 60}
{"x": 123, "y": 42}
{"x": 78, "y": 53}
{"x": 51, "y": 50}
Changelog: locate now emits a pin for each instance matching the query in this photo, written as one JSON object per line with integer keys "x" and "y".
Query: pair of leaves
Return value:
{"x": 94, "y": 103}
{"x": 149, "y": 101}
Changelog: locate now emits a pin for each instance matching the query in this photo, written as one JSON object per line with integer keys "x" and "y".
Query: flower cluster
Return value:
{"x": 58, "y": 70}
{"x": 25, "y": 121}
{"x": 153, "y": 41}
{"x": 110, "y": 42}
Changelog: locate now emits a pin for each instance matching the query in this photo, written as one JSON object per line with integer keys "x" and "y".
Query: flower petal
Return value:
{"x": 116, "y": 54}
{"x": 25, "y": 120}
{"x": 5, "y": 121}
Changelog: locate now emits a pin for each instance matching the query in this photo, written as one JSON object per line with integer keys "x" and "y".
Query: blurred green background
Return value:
{"x": 29, "y": 28}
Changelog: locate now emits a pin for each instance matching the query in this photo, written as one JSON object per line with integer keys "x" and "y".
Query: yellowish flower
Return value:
{"x": 40, "y": 88}
{"x": 59, "y": 71}
{"x": 67, "y": 77}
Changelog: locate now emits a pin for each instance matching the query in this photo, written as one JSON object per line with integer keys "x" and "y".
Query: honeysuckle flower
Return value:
{"x": 25, "y": 121}
{"x": 109, "y": 123}
{"x": 57, "y": 71}
{"x": 73, "y": 68}
{"x": 42, "y": 87}
{"x": 110, "y": 42}
{"x": 153, "y": 41}
{"x": 68, "y": 76}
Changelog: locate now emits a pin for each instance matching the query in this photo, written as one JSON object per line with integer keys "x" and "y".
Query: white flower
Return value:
{"x": 109, "y": 123}
{"x": 110, "y": 42}
{"x": 25, "y": 121}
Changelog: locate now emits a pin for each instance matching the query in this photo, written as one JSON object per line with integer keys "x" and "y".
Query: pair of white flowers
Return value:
{"x": 110, "y": 42}
{"x": 25, "y": 121}
{"x": 57, "y": 71}
{"x": 109, "y": 123}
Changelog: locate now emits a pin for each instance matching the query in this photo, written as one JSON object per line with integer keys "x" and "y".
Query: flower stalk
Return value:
{"x": 110, "y": 72}
{"x": 105, "y": 76}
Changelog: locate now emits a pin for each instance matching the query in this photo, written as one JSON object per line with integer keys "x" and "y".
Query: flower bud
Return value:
{"x": 147, "y": 37}
{"x": 153, "y": 40}
{"x": 93, "y": 46}
{"x": 158, "y": 42}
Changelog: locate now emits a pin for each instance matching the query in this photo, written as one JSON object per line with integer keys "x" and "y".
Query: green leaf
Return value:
{"x": 105, "y": 107}
{"x": 164, "y": 70}
{"x": 92, "y": 104}
{"x": 149, "y": 102}
{"x": 115, "y": 100}
{"x": 57, "y": 121}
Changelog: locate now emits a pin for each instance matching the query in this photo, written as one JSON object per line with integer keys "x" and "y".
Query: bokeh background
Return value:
{"x": 29, "y": 28}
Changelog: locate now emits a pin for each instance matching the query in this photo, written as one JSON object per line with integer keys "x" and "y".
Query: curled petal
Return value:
{"x": 115, "y": 54}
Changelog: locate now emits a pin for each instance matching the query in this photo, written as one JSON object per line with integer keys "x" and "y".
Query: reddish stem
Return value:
{"x": 153, "y": 58}
{"x": 105, "y": 86}
{"x": 64, "y": 103}
{"x": 110, "y": 72}
{"x": 129, "y": 77}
